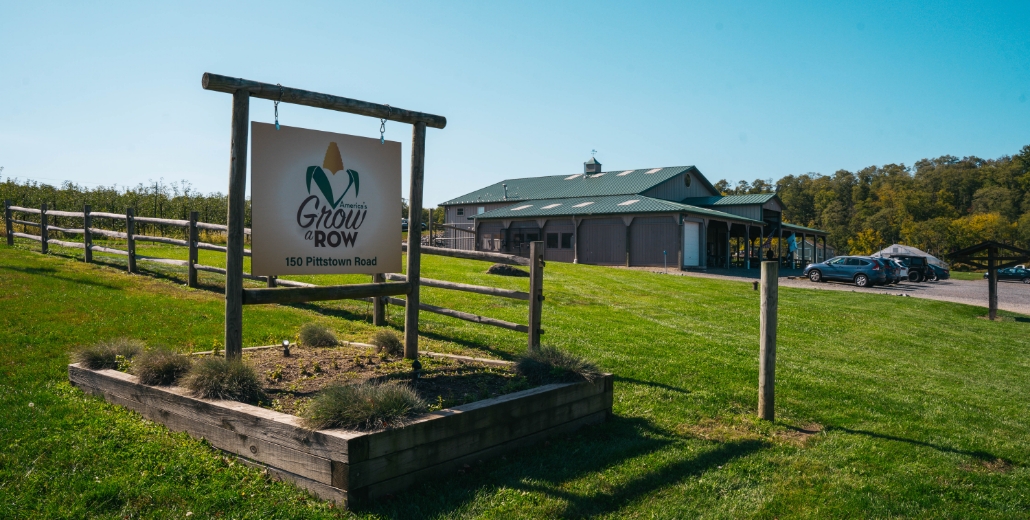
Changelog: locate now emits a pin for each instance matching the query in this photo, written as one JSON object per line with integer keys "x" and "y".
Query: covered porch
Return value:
{"x": 733, "y": 245}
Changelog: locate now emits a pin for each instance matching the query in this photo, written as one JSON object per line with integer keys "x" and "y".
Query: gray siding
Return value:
{"x": 456, "y": 239}
{"x": 675, "y": 189}
{"x": 602, "y": 241}
{"x": 649, "y": 236}
{"x": 753, "y": 211}
{"x": 558, "y": 226}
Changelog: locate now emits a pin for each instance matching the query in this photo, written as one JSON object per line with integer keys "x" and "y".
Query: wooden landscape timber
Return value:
{"x": 454, "y": 286}
{"x": 347, "y": 466}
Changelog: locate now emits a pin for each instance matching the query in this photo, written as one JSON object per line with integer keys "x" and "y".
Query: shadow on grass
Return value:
{"x": 54, "y": 273}
{"x": 652, "y": 384}
{"x": 557, "y": 468}
{"x": 977, "y": 454}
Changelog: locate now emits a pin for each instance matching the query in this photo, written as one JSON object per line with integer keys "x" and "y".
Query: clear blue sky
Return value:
{"x": 111, "y": 94}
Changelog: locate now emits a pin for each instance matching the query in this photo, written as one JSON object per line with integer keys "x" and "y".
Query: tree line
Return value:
{"x": 938, "y": 205}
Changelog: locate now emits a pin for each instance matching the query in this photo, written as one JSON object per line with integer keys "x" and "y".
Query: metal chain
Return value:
{"x": 277, "y": 105}
{"x": 382, "y": 128}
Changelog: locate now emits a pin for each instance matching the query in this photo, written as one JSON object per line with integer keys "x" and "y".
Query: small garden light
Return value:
{"x": 286, "y": 348}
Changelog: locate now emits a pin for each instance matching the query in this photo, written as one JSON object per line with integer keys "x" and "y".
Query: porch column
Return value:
{"x": 747, "y": 247}
{"x": 779, "y": 242}
{"x": 824, "y": 249}
{"x": 729, "y": 229}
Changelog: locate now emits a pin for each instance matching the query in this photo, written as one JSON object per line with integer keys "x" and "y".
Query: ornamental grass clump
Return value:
{"x": 160, "y": 366}
{"x": 363, "y": 406}
{"x": 317, "y": 335}
{"x": 388, "y": 342}
{"x": 107, "y": 354}
{"x": 552, "y": 364}
{"x": 219, "y": 378}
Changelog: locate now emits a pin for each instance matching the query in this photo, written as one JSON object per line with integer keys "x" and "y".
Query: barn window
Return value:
{"x": 461, "y": 212}
{"x": 480, "y": 210}
{"x": 552, "y": 241}
{"x": 566, "y": 240}
{"x": 686, "y": 180}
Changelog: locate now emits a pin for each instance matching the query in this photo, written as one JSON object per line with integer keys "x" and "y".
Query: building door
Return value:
{"x": 691, "y": 244}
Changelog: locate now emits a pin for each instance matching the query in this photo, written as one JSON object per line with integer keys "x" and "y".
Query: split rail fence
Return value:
{"x": 535, "y": 262}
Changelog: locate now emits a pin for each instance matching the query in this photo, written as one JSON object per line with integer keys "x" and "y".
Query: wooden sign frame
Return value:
{"x": 236, "y": 296}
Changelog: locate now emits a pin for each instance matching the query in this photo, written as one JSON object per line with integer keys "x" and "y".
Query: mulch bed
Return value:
{"x": 290, "y": 382}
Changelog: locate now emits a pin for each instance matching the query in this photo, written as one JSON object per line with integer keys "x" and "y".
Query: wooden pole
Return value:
{"x": 418, "y": 157}
{"x": 379, "y": 304}
{"x": 234, "y": 235}
{"x": 272, "y": 281}
{"x": 992, "y": 283}
{"x": 7, "y": 222}
{"x": 194, "y": 239}
{"x": 536, "y": 292}
{"x": 767, "y": 340}
{"x": 130, "y": 231}
{"x": 430, "y": 226}
{"x": 43, "y": 233}
{"x": 87, "y": 234}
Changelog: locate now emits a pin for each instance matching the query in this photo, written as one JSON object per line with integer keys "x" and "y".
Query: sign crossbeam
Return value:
{"x": 257, "y": 89}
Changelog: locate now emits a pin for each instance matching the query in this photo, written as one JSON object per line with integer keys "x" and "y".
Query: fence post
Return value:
{"x": 536, "y": 292}
{"x": 191, "y": 279}
{"x": 767, "y": 347}
{"x": 43, "y": 233}
{"x": 7, "y": 222}
{"x": 378, "y": 304}
{"x": 271, "y": 279}
{"x": 411, "y": 306}
{"x": 87, "y": 235}
{"x": 130, "y": 230}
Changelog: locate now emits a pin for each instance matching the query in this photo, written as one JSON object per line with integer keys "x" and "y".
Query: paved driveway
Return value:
{"x": 1012, "y": 296}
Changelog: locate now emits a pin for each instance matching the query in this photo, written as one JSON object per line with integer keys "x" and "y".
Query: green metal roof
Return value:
{"x": 795, "y": 227}
{"x": 604, "y": 205}
{"x": 730, "y": 200}
{"x": 622, "y": 182}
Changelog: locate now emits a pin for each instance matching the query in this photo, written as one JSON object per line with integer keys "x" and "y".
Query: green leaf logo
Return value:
{"x": 317, "y": 174}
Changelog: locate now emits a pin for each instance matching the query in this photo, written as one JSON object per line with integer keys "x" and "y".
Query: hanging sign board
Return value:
{"x": 324, "y": 203}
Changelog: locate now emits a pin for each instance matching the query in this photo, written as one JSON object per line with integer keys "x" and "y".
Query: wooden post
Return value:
{"x": 767, "y": 340}
{"x": 194, "y": 238}
{"x": 87, "y": 235}
{"x": 43, "y": 233}
{"x": 379, "y": 304}
{"x": 7, "y": 222}
{"x": 536, "y": 292}
{"x": 130, "y": 230}
{"x": 272, "y": 281}
{"x": 430, "y": 227}
{"x": 234, "y": 235}
{"x": 418, "y": 156}
{"x": 747, "y": 247}
{"x": 729, "y": 230}
{"x": 992, "y": 283}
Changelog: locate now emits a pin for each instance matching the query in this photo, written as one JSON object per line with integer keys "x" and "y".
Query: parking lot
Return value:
{"x": 1012, "y": 295}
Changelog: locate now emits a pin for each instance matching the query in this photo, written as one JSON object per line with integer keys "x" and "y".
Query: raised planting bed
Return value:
{"x": 345, "y": 466}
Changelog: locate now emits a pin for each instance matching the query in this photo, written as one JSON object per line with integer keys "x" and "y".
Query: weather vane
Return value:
{"x": 593, "y": 153}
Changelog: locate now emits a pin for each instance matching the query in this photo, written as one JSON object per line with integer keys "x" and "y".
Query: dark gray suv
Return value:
{"x": 863, "y": 271}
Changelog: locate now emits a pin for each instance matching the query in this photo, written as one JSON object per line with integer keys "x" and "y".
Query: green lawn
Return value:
{"x": 886, "y": 406}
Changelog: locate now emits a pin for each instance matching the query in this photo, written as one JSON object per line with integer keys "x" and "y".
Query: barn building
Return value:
{"x": 648, "y": 217}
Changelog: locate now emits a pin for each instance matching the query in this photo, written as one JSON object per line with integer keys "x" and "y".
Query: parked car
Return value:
{"x": 891, "y": 269}
{"x": 902, "y": 270}
{"x": 918, "y": 267}
{"x": 863, "y": 271}
{"x": 404, "y": 225}
{"x": 1013, "y": 273}
{"x": 940, "y": 273}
